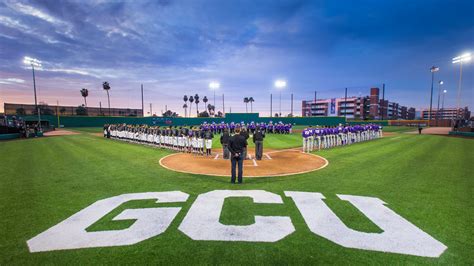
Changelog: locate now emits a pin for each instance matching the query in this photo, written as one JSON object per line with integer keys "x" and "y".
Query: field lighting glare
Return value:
{"x": 32, "y": 61}
{"x": 462, "y": 58}
{"x": 214, "y": 85}
{"x": 280, "y": 84}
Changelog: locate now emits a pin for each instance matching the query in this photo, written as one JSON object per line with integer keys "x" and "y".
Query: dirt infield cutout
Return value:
{"x": 273, "y": 163}
{"x": 60, "y": 132}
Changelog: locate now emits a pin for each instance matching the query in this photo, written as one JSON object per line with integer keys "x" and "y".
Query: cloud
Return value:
{"x": 19, "y": 26}
{"x": 32, "y": 11}
{"x": 11, "y": 81}
{"x": 62, "y": 27}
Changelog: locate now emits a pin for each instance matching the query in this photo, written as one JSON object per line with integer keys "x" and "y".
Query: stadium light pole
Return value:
{"x": 460, "y": 59}
{"x": 440, "y": 83}
{"x": 214, "y": 86}
{"x": 34, "y": 62}
{"x": 442, "y": 103}
{"x": 433, "y": 69}
{"x": 280, "y": 85}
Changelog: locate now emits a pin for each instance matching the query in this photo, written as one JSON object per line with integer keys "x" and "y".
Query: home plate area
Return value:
{"x": 273, "y": 163}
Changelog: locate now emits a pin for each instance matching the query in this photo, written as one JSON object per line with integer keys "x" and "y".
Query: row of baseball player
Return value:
{"x": 328, "y": 137}
{"x": 275, "y": 128}
{"x": 183, "y": 139}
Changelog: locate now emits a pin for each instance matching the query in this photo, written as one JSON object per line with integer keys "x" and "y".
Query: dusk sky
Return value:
{"x": 177, "y": 47}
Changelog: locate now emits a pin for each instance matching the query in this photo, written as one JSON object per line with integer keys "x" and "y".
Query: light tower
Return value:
{"x": 33, "y": 62}
{"x": 280, "y": 85}
{"x": 460, "y": 59}
{"x": 214, "y": 86}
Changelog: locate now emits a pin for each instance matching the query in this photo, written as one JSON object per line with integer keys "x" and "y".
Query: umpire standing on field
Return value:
{"x": 237, "y": 144}
{"x": 225, "y": 143}
{"x": 258, "y": 137}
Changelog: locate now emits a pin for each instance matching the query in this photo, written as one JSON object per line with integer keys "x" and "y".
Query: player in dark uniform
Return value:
{"x": 258, "y": 137}
{"x": 246, "y": 135}
{"x": 208, "y": 136}
{"x": 225, "y": 143}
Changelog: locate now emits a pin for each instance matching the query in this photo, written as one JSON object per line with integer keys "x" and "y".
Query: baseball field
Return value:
{"x": 426, "y": 179}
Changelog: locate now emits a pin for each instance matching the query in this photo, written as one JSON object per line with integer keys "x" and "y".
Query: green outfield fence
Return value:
{"x": 98, "y": 121}
{"x": 363, "y": 122}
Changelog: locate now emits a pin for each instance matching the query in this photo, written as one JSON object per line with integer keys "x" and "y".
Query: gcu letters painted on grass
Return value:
{"x": 202, "y": 223}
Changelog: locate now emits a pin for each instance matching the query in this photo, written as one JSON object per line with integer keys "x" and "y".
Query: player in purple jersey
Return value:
{"x": 306, "y": 133}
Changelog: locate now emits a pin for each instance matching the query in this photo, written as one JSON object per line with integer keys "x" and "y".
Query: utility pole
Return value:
{"x": 36, "y": 103}
{"x": 345, "y": 104}
{"x": 433, "y": 69}
{"x": 151, "y": 109}
{"x": 315, "y": 104}
{"x": 223, "y": 106}
{"x": 100, "y": 108}
{"x": 271, "y": 104}
{"x": 383, "y": 101}
{"x": 57, "y": 112}
{"x": 143, "y": 107}
{"x": 292, "y": 105}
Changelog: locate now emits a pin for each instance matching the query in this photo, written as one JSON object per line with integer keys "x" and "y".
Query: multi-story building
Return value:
{"x": 446, "y": 113}
{"x": 352, "y": 107}
{"x": 358, "y": 107}
{"x": 29, "y": 109}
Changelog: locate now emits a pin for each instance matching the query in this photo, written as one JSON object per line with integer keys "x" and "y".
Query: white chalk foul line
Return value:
{"x": 268, "y": 156}
{"x": 326, "y": 163}
{"x": 254, "y": 162}
{"x": 217, "y": 156}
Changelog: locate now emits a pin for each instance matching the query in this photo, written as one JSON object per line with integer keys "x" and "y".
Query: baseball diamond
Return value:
{"x": 236, "y": 132}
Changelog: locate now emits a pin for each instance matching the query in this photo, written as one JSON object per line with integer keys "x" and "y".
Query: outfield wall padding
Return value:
{"x": 462, "y": 134}
{"x": 9, "y": 136}
{"x": 98, "y": 121}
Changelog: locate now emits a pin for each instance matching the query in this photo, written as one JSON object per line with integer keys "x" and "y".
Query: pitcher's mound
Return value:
{"x": 273, "y": 163}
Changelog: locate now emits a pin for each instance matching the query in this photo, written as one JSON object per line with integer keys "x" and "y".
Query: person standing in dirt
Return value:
{"x": 225, "y": 143}
{"x": 419, "y": 129}
{"x": 246, "y": 135}
{"x": 237, "y": 144}
{"x": 258, "y": 137}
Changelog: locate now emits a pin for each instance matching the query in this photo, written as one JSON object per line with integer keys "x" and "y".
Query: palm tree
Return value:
{"x": 205, "y": 101}
{"x": 191, "y": 100}
{"x": 185, "y": 106}
{"x": 185, "y": 99}
{"x": 210, "y": 108}
{"x": 85, "y": 93}
{"x": 246, "y": 101}
{"x": 251, "y": 100}
{"x": 196, "y": 100}
{"x": 106, "y": 87}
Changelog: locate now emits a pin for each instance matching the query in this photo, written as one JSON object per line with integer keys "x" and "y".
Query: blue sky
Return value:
{"x": 178, "y": 47}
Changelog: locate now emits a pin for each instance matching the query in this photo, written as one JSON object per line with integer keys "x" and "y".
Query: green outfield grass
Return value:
{"x": 426, "y": 179}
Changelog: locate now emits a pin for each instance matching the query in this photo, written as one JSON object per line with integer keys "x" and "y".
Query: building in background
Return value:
{"x": 446, "y": 113}
{"x": 360, "y": 107}
{"x": 29, "y": 109}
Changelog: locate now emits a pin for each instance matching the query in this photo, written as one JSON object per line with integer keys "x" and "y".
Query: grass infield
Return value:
{"x": 428, "y": 180}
